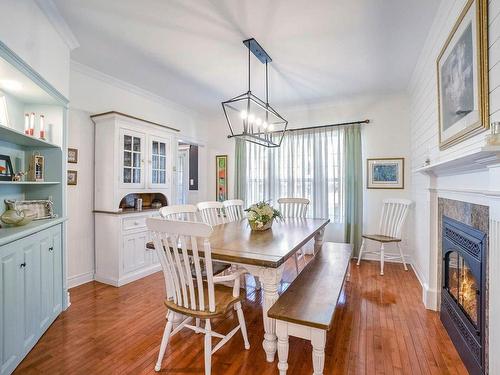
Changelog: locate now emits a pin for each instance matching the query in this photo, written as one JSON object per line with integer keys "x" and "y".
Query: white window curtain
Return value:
{"x": 307, "y": 165}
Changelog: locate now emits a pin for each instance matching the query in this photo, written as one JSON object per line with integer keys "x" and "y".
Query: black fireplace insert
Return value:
{"x": 463, "y": 295}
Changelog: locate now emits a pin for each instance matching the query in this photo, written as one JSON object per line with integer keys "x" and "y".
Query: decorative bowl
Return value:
{"x": 266, "y": 226}
{"x": 17, "y": 217}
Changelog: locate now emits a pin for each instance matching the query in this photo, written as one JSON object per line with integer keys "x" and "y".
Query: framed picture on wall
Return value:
{"x": 462, "y": 77}
{"x": 385, "y": 173}
{"x": 72, "y": 177}
{"x": 221, "y": 177}
{"x": 72, "y": 155}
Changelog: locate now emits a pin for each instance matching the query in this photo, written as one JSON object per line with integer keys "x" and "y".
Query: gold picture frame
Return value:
{"x": 462, "y": 77}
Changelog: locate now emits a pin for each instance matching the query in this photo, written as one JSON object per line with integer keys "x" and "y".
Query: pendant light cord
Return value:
{"x": 249, "y": 70}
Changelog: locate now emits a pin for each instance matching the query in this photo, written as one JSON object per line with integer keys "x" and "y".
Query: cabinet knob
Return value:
{"x": 22, "y": 265}
{"x": 51, "y": 248}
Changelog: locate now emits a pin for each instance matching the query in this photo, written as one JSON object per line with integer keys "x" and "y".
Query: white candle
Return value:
{"x": 32, "y": 123}
{"x": 26, "y": 123}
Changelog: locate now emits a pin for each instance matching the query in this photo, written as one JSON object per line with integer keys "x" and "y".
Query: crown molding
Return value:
{"x": 116, "y": 82}
{"x": 58, "y": 22}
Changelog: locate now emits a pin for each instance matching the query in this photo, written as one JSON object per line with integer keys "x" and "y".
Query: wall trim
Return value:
{"x": 58, "y": 22}
{"x": 116, "y": 82}
{"x": 80, "y": 279}
{"x": 486, "y": 193}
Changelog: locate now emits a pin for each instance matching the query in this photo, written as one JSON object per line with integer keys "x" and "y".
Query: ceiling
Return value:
{"x": 191, "y": 51}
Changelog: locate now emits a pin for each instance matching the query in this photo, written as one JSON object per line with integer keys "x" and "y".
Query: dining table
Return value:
{"x": 263, "y": 254}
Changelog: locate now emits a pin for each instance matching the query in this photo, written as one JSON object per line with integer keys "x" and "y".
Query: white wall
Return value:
{"x": 80, "y": 200}
{"x": 386, "y": 136}
{"x": 28, "y": 32}
{"x": 422, "y": 93}
{"x": 93, "y": 92}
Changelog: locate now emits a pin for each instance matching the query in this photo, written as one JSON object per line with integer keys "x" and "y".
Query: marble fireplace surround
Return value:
{"x": 477, "y": 216}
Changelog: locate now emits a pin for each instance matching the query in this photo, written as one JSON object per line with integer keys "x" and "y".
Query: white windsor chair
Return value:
{"x": 211, "y": 212}
{"x": 294, "y": 207}
{"x": 392, "y": 219}
{"x": 181, "y": 212}
{"x": 233, "y": 209}
{"x": 196, "y": 297}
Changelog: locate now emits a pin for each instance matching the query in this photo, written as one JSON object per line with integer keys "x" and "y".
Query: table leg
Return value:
{"x": 318, "y": 240}
{"x": 270, "y": 279}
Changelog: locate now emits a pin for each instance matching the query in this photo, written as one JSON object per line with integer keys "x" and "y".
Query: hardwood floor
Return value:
{"x": 381, "y": 327}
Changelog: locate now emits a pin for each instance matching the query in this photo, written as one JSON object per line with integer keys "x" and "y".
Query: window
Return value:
{"x": 308, "y": 164}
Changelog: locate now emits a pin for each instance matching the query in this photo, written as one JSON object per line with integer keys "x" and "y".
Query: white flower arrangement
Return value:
{"x": 261, "y": 214}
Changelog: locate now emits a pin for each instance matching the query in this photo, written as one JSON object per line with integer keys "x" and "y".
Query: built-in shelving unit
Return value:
{"x": 33, "y": 287}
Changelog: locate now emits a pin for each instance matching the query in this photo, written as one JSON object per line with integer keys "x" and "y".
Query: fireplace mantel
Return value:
{"x": 471, "y": 162}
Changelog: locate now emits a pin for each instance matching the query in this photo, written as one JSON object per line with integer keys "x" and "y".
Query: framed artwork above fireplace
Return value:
{"x": 462, "y": 77}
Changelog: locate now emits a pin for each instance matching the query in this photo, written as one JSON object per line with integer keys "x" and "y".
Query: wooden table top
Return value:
{"x": 235, "y": 242}
{"x": 312, "y": 298}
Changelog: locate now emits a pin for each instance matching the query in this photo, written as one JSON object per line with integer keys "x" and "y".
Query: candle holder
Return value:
{"x": 494, "y": 138}
{"x": 32, "y": 124}
{"x": 42, "y": 127}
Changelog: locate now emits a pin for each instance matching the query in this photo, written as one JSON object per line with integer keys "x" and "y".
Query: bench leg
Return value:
{"x": 282, "y": 333}
{"x": 382, "y": 259}
{"x": 318, "y": 341}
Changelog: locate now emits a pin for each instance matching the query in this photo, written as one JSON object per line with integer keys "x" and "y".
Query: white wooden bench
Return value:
{"x": 306, "y": 309}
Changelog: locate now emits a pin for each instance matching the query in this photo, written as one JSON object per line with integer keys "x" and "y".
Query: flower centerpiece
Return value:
{"x": 261, "y": 215}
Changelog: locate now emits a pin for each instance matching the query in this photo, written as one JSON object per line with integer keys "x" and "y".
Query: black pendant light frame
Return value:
{"x": 250, "y": 132}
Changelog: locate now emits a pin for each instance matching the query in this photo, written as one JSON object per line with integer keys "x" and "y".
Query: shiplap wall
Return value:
{"x": 422, "y": 92}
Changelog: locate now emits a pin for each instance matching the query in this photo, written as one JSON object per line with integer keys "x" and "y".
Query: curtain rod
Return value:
{"x": 314, "y": 127}
{"x": 328, "y": 125}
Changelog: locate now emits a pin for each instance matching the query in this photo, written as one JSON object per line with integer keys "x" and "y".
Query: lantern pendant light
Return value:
{"x": 251, "y": 118}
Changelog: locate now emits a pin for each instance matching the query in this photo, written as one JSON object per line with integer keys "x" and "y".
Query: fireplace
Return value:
{"x": 463, "y": 302}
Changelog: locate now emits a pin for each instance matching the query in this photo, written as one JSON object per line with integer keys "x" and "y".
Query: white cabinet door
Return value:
{"x": 49, "y": 242}
{"x": 159, "y": 162}
{"x": 30, "y": 249}
{"x": 56, "y": 253}
{"x": 11, "y": 309}
{"x": 46, "y": 279}
{"x": 132, "y": 153}
{"x": 134, "y": 251}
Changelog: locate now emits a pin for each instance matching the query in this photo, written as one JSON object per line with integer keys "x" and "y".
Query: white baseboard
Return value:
{"x": 430, "y": 297}
{"x": 80, "y": 279}
{"x": 129, "y": 277}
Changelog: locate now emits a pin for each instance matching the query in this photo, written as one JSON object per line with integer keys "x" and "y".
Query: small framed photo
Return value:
{"x": 385, "y": 173}
{"x": 72, "y": 155}
{"x": 6, "y": 171}
{"x": 72, "y": 177}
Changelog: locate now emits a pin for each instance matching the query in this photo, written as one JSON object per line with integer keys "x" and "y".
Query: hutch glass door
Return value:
{"x": 159, "y": 157}
{"x": 132, "y": 158}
